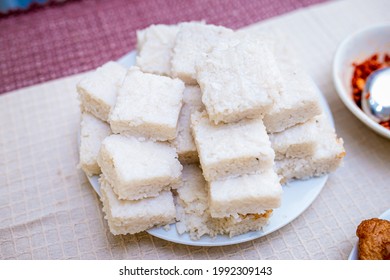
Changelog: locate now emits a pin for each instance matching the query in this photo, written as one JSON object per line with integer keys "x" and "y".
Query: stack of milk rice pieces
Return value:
{"x": 201, "y": 131}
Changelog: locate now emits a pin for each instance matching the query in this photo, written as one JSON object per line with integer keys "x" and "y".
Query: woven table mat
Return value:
{"x": 63, "y": 39}
{"x": 48, "y": 210}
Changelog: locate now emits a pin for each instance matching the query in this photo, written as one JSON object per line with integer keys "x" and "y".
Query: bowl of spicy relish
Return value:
{"x": 356, "y": 58}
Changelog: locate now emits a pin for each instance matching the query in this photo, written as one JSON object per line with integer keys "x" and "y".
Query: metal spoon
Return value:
{"x": 376, "y": 95}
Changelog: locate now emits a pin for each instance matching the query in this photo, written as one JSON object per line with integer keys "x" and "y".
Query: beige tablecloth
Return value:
{"x": 48, "y": 210}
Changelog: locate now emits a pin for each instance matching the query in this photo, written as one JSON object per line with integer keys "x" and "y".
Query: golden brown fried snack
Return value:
{"x": 374, "y": 239}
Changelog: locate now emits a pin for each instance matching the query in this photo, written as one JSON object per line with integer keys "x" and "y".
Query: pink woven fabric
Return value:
{"x": 49, "y": 42}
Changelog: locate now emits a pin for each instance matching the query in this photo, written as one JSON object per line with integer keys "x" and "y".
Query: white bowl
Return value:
{"x": 356, "y": 48}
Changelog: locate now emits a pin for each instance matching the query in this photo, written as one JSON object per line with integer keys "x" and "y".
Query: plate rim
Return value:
{"x": 252, "y": 235}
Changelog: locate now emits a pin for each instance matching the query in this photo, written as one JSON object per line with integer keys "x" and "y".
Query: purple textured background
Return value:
{"x": 58, "y": 40}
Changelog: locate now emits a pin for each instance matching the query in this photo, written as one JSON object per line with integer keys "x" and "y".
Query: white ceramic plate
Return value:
{"x": 356, "y": 48}
{"x": 297, "y": 196}
{"x": 354, "y": 253}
